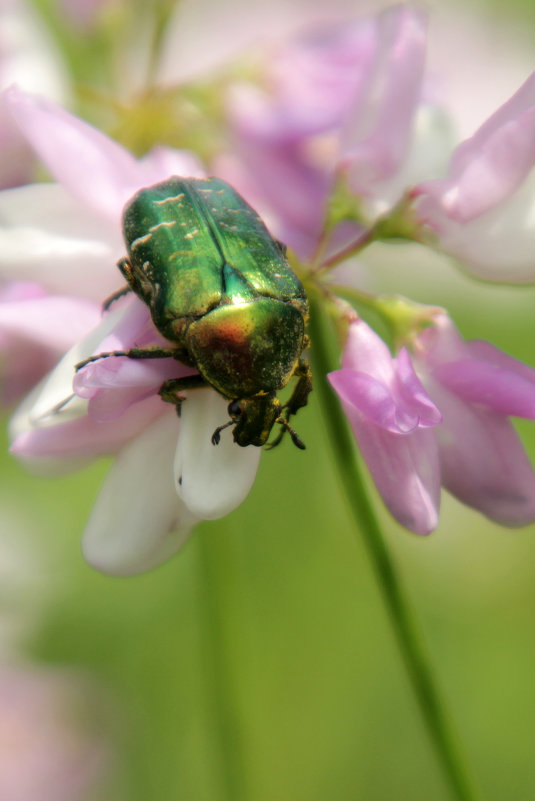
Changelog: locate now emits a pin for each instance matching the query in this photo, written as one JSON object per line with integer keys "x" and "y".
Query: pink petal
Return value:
{"x": 411, "y": 390}
{"x": 163, "y": 162}
{"x": 53, "y": 321}
{"x": 486, "y": 351}
{"x": 488, "y": 167}
{"x": 483, "y": 461}
{"x": 405, "y": 469}
{"x": 504, "y": 391}
{"x": 93, "y": 167}
{"x": 81, "y": 438}
{"x": 114, "y": 383}
{"x": 367, "y": 353}
{"x": 311, "y": 79}
{"x": 377, "y": 135}
{"x": 373, "y": 400}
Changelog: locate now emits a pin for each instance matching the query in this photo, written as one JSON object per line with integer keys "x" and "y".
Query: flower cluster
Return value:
{"x": 337, "y": 145}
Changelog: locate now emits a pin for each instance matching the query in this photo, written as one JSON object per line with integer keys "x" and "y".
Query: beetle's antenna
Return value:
{"x": 216, "y": 436}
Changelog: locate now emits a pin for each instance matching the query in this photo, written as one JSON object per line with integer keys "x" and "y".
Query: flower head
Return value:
{"x": 393, "y": 420}
{"x": 443, "y": 422}
{"x": 482, "y": 211}
{"x": 344, "y": 100}
{"x": 477, "y": 388}
{"x": 113, "y": 406}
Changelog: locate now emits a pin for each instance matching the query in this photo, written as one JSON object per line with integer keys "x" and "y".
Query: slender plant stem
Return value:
{"x": 214, "y": 564}
{"x": 414, "y": 655}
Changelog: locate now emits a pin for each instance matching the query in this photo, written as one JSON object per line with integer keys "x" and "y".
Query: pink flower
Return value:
{"x": 482, "y": 211}
{"x": 44, "y": 753}
{"x": 29, "y": 57}
{"x": 167, "y": 474}
{"x": 455, "y": 432}
{"x": 62, "y": 239}
{"x": 477, "y": 388}
{"x": 393, "y": 420}
{"x": 342, "y": 98}
{"x": 35, "y": 330}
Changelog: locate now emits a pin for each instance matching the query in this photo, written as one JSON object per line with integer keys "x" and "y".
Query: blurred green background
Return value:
{"x": 261, "y": 656}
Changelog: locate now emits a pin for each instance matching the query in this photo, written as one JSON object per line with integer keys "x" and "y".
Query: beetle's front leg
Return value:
{"x": 302, "y": 389}
{"x": 297, "y": 400}
{"x": 156, "y": 352}
{"x": 171, "y": 389}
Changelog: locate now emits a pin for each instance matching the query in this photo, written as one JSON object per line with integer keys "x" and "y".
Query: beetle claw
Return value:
{"x": 286, "y": 427}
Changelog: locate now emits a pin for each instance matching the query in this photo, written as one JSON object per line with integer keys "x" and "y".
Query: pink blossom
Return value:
{"x": 477, "y": 388}
{"x": 455, "y": 432}
{"x": 44, "y": 753}
{"x": 29, "y": 57}
{"x": 344, "y": 98}
{"x": 393, "y": 420}
{"x": 482, "y": 211}
{"x": 63, "y": 239}
{"x": 35, "y": 330}
{"x": 167, "y": 474}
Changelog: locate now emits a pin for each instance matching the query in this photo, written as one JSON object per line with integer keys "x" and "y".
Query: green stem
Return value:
{"x": 414, "y": 655}
{"x": 214, "y": 569}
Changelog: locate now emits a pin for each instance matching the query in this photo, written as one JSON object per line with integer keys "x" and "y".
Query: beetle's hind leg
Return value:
{"x": 171, "y": 389}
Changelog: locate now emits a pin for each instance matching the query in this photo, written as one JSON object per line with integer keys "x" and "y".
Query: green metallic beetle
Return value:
{"x": 219, "y": 287}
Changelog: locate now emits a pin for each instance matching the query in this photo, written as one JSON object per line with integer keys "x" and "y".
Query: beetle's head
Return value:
{"x": 253, "y": 418}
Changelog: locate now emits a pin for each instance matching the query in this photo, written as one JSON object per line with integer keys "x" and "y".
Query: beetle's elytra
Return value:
{"x": 220, "y": 289}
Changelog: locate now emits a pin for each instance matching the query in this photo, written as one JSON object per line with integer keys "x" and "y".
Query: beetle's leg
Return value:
{"x": 286, "y": 427}
{"x": 128, "y": 273}
{"x": 156, "y": 352}
{"x": 297, "y": 400}
{"x": 115, "y": 296}
{"x": 302, "y": 389}
{"x": 136, "y": 280}
{"x": 171, "y": 389}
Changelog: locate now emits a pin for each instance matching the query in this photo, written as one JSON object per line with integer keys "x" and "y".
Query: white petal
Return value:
{"x": 30, "y": 55}
{"x": 427, "y": 157}
{"x": 211, "y": 479}
{"x": 500, "y": 244}
{"x": 138, "y": 521}
{"x": 49, "y": 237}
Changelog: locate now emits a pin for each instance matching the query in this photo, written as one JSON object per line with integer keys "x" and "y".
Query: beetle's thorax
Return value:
{"x": 247, "y": 349}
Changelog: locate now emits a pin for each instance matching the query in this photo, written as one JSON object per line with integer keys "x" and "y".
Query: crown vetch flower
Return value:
{"x": 164, "y": 479}
{"x": 36, "y": 328}
{"x": 343, "y": 99}
{"x": 482, "y": 211}
{"x": 442, "y": 422}
{"x": 393, "y": 420}
{"x": 477, "y": 388}
{"x": 27, "y": 56}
